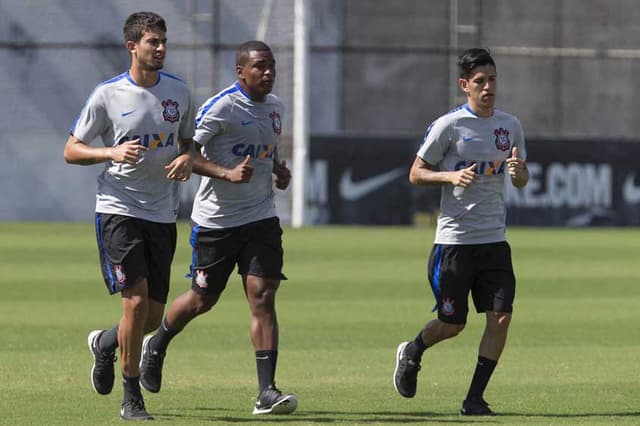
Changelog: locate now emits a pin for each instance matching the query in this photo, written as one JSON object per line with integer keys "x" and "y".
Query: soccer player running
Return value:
{"x": 467, "y": 152}
{"x": 234, "y": 219}
{"x": 146, "y": 121}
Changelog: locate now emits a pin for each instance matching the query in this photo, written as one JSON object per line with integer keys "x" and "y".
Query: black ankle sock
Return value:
{"x": 131, "y": 387}
{"x": 484, "y": 370}
{"x": 109, "y": 340}
{"x": 415, "y": 349}
{"x": 266, "y": 366}
{"x": 164, "y": 335}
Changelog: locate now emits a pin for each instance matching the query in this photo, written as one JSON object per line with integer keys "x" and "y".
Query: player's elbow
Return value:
{"x": 412, "y": 177}
{"x": 68, "y": 156}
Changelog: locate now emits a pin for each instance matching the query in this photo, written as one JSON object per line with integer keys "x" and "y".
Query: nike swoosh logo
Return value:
{"x": 262, "y": 357}
{"x": 631, "y": 192}
{"x": 245, "y": 123}
{"x": 467, "y": 138}
{"x": 351, "y": 191}
{"x": 124, "y": 114}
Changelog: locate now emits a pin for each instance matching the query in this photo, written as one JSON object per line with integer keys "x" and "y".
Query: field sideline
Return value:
{"x": 353, "y": 294}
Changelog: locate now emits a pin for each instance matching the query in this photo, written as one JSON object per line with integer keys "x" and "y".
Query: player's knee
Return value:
{"x": 447, "y": 330}
{"x": 452, "y": 330}
{"x": 204, "y": 303}
{"x": 498, "y": 321}
{"x": 263, "y": 302}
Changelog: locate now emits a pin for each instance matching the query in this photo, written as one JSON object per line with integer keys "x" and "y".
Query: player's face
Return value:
{"x": 258, "y": 75}
{"x": 149, "y": 53}
{"x": 481, "y": 89}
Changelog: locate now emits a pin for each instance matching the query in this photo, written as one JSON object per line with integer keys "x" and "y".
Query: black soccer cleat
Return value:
{"x": 102, "y": 375}
{"x": 405, "y": 376}
{"x": 272, "y": 401}
{"x": 133, "y": 409}
{"x": 476, "y": 407}
{"x": 151, "y": 366}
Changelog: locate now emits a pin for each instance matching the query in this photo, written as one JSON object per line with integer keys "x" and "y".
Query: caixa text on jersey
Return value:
{"x": 152, "y": 140}
{"x": 262, "y": 151}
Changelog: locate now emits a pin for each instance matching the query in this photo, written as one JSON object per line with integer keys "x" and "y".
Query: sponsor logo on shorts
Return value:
{"x": 201, "y": 279}
{"x": 120, "y": 276}
{"x": 447, "y": 307}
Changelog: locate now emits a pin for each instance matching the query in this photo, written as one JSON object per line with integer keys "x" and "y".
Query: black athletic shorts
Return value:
{"x": 132, "y": 248}
{"x": 255, "y": 247}
{"x": 485, "y": 270}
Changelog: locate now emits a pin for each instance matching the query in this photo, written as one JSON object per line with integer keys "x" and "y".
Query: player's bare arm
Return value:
{"x": 242, "y": 173}
{"x": 78, "y": 152}
{"x": 181, "y": 167}
{"x": 423, "y": 173}
{"x": 517, "y": 169}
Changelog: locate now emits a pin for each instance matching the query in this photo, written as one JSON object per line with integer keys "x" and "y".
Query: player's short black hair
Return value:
{"x": 472, "y": 58}
{"x": 138, "y": 23}
{"x": 242, "y": 54}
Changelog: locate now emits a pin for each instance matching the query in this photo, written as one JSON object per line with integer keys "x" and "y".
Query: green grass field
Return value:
{"x": 573, "y": 355}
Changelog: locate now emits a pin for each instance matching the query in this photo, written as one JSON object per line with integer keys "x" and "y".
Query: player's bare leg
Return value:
{"x": 154, "y": 348}
{"x": 155, "y": 310}
{"x": 132, "y": 325}
{"x": 492, "y": 344}
{"x": 495, "y": 335}
{"x": 261, "y": 294}
{"x": 409, "y": 354}
{"x": 130, "y": 333}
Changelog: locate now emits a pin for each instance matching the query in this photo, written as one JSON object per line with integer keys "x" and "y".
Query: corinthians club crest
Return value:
{"x": 120, "y": 276}
{"x": 170, "y": 112}
{"x": 502, "y": 139}
{"x": 201, "y": 278}
{"x": 276, "y": 123}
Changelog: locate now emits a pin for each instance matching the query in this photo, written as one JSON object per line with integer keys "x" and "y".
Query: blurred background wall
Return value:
{"x": 379, "y": 70}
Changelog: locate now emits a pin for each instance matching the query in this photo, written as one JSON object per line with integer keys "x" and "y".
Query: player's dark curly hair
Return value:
{"x": 472, "y": 58}
{"x": 242, "y": 54}
{"x": 139, "y": 22}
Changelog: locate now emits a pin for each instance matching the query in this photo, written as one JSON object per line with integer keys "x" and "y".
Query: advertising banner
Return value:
{"x": 578, "y": 183}
{"x": 355, "y": 180}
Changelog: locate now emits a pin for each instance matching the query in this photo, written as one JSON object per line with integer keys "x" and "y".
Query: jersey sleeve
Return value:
{"x": 518, "y": 141}
{"x": 93, "y": 120}
{"x": 188, "y": 123}
{"x": 210, "y": 121}
{"x": 436, "y": 142}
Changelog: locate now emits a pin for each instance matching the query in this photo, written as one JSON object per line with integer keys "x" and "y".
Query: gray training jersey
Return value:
{"x": 119, "y": 110}
{"x": 476, "y": 214}
{"x": 231, "y": 126}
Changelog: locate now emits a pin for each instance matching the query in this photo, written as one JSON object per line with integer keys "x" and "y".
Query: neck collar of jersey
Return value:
{"x": 239, "y": 87}
{"x": 475, "y": 114}
{"x": 136, "y": 84}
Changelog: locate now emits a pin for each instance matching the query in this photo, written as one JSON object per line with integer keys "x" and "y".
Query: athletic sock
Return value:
{"x": 484, "y": 370}
{"x": 162, "y": 338}
{"x": 109, "y": 340}
{"x": 415, "y": 349}
{"x": 266, "y": 366}
{"x": 131, "y": 387}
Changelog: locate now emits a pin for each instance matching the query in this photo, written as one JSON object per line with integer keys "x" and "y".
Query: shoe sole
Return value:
{"x": 399, "y": 352}
{"x": 286, "y": 405}
{"x": 466, "y": 413}
{"x": 149, "y": 417}
{"x": 92, "y": 336}
{"x": 145, "y": 343}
